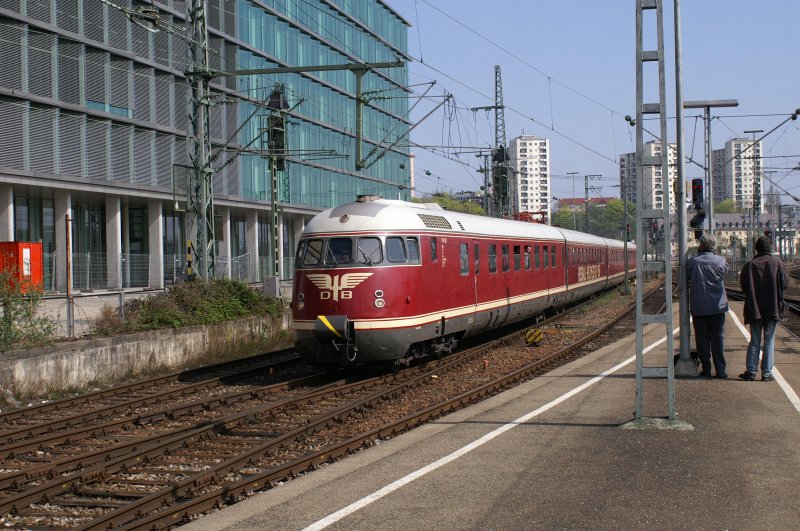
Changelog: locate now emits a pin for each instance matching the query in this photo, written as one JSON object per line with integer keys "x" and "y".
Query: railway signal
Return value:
{"x": 697, "y": 194}
{"x": 697, "y": 201}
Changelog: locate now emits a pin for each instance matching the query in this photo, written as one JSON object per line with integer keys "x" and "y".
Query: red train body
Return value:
{"x": 386, "y": 281}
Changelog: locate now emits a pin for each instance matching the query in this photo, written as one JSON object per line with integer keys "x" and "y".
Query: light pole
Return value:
{"x": 709, "y": 172}
{"x": 574, "y": 216}
{"x": 685, "y": 366}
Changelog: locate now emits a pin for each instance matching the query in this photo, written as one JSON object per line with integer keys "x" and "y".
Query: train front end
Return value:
{"x": 350, "y": 276}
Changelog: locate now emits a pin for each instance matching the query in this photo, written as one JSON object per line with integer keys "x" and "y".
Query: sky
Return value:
{"x": 569, "y": 74}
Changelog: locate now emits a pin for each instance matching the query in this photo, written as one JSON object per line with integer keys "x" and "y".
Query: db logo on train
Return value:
{"x": 337, "y": 286}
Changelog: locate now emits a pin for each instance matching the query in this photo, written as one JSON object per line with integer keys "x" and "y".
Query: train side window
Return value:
{"x": 301, "y": 248}
{"x": 492, "y": 258}
{"x": 395, "y": 250}
{"x": 527, "y": 257}
{"x": 536, "y": 257}
{"x": 463, "y": 258}
{"x": 369, "y": 251}
{"x": 517, "y": 260}
{"x": 413, "y": 249}
{"x": 477, "y": 252}
{"x": 506, "y": 264}
{"x": 553, "y": 256}
{"x": 340, "y": 251}
{"x": 313, "y": 253}
{"x": 433, "y": 249}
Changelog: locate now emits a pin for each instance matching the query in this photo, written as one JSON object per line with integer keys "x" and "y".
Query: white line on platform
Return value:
{"x": 790, "y": 393}
{"x": 388, "y": 489}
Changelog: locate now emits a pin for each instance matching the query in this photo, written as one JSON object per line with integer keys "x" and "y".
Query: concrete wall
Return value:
{"x": 75, "y": 364}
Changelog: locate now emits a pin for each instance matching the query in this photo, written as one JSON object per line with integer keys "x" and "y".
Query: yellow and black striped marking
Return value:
{"x": 329, "y": 325}
{"x": 533, "y": 336}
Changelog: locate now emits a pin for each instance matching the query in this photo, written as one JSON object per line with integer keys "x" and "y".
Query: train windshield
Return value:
{"x": 365, "y": 251}
{"x": 309, "y": 253}
{"x": 340, "y": 251}
{"x": 369, "y": 251}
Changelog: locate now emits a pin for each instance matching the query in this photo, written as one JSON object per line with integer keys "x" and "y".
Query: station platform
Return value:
{"x": 553, "y": 453}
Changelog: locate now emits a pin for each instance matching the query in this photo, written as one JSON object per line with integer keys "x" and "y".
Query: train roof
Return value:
{"x": 371, "y": 214}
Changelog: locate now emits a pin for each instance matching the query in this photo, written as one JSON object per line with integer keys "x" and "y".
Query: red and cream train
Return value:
{"x": 387, "y": 281}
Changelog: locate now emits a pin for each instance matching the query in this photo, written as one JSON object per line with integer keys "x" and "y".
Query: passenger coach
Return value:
{"x": 387, "y": 281}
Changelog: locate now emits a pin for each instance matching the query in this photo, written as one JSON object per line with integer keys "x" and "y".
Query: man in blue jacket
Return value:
{"x": 705, "y": 274}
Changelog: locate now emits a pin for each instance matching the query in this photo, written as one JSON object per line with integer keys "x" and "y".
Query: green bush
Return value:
{"x": 21, "y": 325}
{"x": 191, "y": 303}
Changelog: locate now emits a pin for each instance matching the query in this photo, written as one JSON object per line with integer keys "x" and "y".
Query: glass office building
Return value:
{"x": 97, "y": 116}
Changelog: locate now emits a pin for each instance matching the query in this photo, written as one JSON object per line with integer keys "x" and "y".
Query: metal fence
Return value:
{"x": 135, "y": 270}
{"x": 240, "y": 268}
{"x": 90, "y": 271}
{"x": 93, "y": 271}
{"x": 174, "y": 269}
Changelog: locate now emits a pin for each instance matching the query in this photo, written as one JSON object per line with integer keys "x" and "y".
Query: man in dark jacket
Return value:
{"x": 763, "y": 280}
{"x": 705, "y": 274}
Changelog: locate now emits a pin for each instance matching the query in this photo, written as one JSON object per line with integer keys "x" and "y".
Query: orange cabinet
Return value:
{"x": 24, "y": 260}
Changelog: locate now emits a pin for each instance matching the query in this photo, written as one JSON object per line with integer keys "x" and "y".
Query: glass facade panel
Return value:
{"x": 109, "y": 102}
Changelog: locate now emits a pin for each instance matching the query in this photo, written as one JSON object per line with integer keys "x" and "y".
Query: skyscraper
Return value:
{"x": 738, "y": 171}
{"x": 530, "y": 167}
{"x": 653, "y": 181}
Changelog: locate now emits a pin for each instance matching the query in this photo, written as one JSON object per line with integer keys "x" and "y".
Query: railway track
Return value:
{"x": 143, "y": 400}
{"x": 159, "y": 473}
{"x": 792, "y": 321}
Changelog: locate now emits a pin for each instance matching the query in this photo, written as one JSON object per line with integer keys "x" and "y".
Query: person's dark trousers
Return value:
{"x": 709, "y": 331}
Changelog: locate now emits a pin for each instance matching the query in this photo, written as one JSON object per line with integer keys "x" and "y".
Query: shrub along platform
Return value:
{"x": 71, "y": 365}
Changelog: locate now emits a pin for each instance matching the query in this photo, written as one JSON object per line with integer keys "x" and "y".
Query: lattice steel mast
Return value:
{"x": 645, "y": 213}
{"x": 200, "y": 205}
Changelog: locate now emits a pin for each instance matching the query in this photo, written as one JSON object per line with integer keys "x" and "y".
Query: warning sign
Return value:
{"x": 533, "y": 336}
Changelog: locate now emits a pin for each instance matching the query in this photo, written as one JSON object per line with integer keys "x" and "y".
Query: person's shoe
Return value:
{"x": 721, "y": 376}
{"x": 766, "y": 378}
{"x": 747, "y": 375}
{"x": 705, "y": 374}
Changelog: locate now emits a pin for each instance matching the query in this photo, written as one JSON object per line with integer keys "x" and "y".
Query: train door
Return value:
{"x": 554, "y": 265}
{"x": 479, "y": 322}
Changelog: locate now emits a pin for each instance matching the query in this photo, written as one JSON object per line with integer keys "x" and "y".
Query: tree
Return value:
{"x": 564, "y": 218}
{"x": 607, "y": 221}
{"x": 727, "y": 206}
{"x": 448, "y": 203}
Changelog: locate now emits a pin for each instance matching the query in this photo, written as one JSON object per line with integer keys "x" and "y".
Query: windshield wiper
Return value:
{"x": 333, "y": 258}
{"x": 366, "y": 258}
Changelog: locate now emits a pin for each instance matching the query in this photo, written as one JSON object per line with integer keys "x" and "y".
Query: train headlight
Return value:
{"x": 301, "y": 305}
{"x": 300, "y": 296}
{"x": 379, "y": 302}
